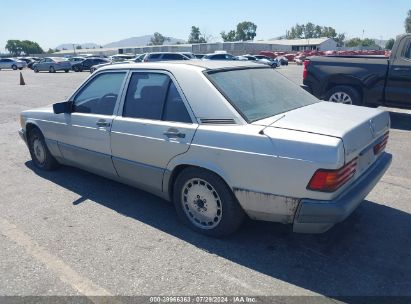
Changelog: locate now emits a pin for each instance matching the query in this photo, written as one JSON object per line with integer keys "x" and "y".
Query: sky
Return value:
{"x": 51, "y": 23}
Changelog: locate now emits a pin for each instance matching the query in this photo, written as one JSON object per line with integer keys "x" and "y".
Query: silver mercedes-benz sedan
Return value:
{"x": 221, "y": 139}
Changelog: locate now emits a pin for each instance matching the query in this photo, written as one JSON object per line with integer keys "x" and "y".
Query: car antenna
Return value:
{"x": 262, "y": 131}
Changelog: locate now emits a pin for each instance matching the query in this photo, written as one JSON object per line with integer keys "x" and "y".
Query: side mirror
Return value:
{"x": 63, "y": 107}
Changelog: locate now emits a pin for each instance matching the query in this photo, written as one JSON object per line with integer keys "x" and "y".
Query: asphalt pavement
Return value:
{"x": 69, "y": 232}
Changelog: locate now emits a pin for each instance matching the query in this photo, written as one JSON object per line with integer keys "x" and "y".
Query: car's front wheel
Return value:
{"x": 344, "y": 94}
{"x": 205, "y": 203}
{"x": 14, "y": 67}
{"x": 52, "y": 69}
{"x": 39, "y": 152}
{"x": 36, "y": 70}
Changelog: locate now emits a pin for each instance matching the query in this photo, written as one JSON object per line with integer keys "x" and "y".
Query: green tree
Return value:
{"x": 389, "y": 44}
{"x": 196, "y": 36}
{"x": 408, "y": 22}
{"x": 246, "y": 30}
{"x": 228, "y": 37}
{"x": 17, "y": 47}
{"x": 31, "y": 47}
{"x": 78, "y": 47}
{"x": 357, "y": 42}
{"x": 50, "y": 51}
{"x": 158, "y": 39}
{"x": 310, "y": 30}
{"x": 14, "y": 47}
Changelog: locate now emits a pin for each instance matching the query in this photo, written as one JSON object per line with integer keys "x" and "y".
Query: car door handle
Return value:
{"x": 401, "y": 69}
{"x": 102, "y": 123}
{"x": 174, "y": 133}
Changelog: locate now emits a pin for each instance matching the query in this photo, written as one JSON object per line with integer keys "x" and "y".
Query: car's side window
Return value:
{"x": 100, "y": 95}
{"x": 175, "y": 109}
{"x": 145, "y": 95}
{"x": 407, "y": 53}
{"x": 154, "y": 96}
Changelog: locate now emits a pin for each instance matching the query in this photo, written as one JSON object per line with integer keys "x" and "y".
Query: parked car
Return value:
{"x": 260, "y": 59}
{"x": 199, "y": 56}
{"x": 164, "y": 56}
{"x": 74, "y": 60}
{"x": 283, "y": 60}
{"x": 138, "y": 58}
{"x": 363, "y": 80}
{"x": 121, "y": 57}
{"x": 219, "y": 56}
{"x": 220, "y": 146}
{"x": 52, "y": 65}
{"x": 188, "y": 55}
{"x": 86, "y": 64}
{"x": 11, "y": 63}
{"x": 27, "y": 60}
{"x": 273, "y": 62}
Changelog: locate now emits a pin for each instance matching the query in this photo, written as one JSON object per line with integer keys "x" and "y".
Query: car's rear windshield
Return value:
{"x": 259, "y": 93}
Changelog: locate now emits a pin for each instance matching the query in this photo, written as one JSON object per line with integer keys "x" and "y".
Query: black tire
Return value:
{"x": 36, "y": 70}
{"x": 14, "y": 67}
{"x": 52, "y": 70}
{"x": 45, "y": 161}
{"x": 340, "y": 94}
{"x": 231, "y": 215}
{"x": 76, "y": 69}
{"x": 20, "y": 69}
{"x": 66, "y": 71}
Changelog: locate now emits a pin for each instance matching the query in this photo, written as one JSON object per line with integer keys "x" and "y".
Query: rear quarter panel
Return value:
{"x": 280, "y": 162}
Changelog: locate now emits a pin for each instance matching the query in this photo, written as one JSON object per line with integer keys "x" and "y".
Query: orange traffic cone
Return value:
{"x": 22, "y": 79}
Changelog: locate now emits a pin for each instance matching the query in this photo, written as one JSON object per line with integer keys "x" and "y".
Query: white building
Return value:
{"x": 295, "y": 45}
{"x": 235, "y": 48}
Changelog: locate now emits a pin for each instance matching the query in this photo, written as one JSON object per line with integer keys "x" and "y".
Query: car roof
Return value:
{"x": 204, "y": 65}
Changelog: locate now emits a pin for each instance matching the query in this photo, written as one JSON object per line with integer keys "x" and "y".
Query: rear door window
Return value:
{"x": 154, "y": 96}
{"x": 407, "y": 52}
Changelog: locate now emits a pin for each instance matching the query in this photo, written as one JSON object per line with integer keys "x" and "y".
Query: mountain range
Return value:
{"x": 128, "y": 42}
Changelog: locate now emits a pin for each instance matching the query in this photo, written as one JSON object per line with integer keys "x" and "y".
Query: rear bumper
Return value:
{"x": 314, "y": 216}
{"x": 307, "y": 88}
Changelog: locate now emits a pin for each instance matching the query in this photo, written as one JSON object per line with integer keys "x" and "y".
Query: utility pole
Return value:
{"x": 74, "y": 50}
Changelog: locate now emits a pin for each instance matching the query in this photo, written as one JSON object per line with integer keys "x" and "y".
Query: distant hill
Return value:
{"x": 69, "y": 46}
{"x": 139, "y": 41}
{"x": 129, "y": 42}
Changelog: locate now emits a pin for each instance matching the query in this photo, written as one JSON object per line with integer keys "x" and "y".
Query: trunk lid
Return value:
{"x": 358, "y": 127}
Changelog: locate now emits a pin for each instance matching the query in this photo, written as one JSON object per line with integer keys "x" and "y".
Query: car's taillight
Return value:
{"x": 305, "y": 72}
{"x": 378, "y": 148}
{"x": 331, "y": 180}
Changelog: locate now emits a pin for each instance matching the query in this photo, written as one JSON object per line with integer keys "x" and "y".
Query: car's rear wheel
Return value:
{"x": 36, "y": 70}
{"x": 39, "y": 152}
{"x": 14, "y": 67}
{"x": 345, "y": 95}
{"x": 205, "y": 203}
{"x": 66, "y": 71}
{"x": 76, "y": 69}
{"x": 52, "y": 70}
